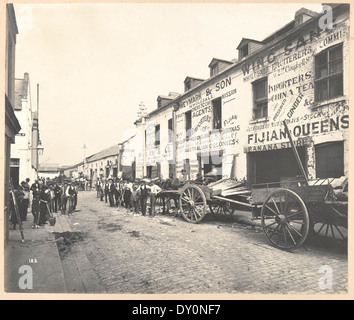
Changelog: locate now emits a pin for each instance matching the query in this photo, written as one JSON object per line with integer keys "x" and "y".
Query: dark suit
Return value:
{"x": 57, "y": 198}
{"x": 111, "y": 189}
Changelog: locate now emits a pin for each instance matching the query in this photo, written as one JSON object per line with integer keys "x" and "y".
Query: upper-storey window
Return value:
{"x": 329, "y": 73}
{"x": 217, "y": 115}
{"x": 170, "y": 130}
{"x": 187, "y": 86}
{"x": 188, "y": 119}
{"x": 157, "y": 135}
{"x": 244, "y": 51}
{"x": 214, "y": 70}
{"x": 260, "y": 98}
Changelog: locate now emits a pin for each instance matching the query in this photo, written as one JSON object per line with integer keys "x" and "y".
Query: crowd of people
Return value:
{"x": 140, "y": 196}
{"x": 43, "y": 197}
{"x": 132, "y": 195}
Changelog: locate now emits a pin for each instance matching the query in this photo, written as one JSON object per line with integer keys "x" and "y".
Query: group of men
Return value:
{"x": 46, "y": 197}
{"x": 131, "y": 195}
{"x": 136, "y": 195}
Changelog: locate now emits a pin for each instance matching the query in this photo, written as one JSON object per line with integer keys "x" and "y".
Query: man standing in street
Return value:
{"x": 35, "y": 208}
{"x": 76, "y": 187}
{"x": 111, "y": 188}
{"x": 154, "y": 190}
{"x": 35, "y": 185}
{"x": 70, "y": 194}
{"x": 44, "y": 205}
{"x": 64, "y": 198}
{"x": 57, "y": 196}
{"x": 25, "y": 200}
{"x": 127, "y": 194}
{"x": 144, "y": 192}
{"x": 105, "y": 191}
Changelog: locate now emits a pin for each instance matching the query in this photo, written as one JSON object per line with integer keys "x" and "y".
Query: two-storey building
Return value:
{"x": 234, "y": 121}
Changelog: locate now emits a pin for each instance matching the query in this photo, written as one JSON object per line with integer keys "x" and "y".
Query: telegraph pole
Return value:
{"x": 84, "y": 164}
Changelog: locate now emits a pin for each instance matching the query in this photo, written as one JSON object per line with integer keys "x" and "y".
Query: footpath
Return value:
{"x": 40, "y": 253}
{"x": 36, "y": 266}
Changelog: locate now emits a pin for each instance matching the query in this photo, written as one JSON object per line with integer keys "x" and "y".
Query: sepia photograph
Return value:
{"x": 176, "y": 149}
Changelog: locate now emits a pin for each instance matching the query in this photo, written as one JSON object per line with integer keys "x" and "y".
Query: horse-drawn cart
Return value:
{"x": 289, "y": 210}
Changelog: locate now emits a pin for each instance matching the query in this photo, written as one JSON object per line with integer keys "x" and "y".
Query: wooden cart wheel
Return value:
{"x": 220, "y": 208}
{"x": 285, "y": 219}
{"x": 192, "y": 202}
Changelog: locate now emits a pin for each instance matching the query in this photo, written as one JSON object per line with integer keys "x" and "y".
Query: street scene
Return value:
{"x": 119, "y": 181}
{"x": 113, "y": 250}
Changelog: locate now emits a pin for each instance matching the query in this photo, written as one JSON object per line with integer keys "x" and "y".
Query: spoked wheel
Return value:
{"x": 192, "y": 203}
{"x": 329, "y": 229}
{"x": 285, "y": 219}
{"x": 220, "y": 208}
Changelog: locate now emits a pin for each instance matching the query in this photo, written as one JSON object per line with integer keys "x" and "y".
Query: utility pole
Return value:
{"x": 84, "y": 163}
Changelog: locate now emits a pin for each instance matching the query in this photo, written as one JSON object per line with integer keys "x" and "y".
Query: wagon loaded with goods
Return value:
{"x": 289, "y": 210}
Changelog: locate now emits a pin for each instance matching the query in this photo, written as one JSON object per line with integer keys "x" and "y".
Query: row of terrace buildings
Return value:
{"x": 21, "y": 126}
{"x": 234, "y": 121}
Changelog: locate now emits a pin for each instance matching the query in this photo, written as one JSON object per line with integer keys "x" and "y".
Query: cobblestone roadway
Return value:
{"x": 135, "y": 254}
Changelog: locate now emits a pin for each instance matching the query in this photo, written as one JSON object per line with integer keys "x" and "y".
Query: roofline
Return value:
{"x": 127, "y": 139}
{"x": 194, "y": 78}
{"x": 217, "y": 59}
{"x": 118, "y": 144}
{"x": 248, "y": 39}
{"x": 241, "y": 62}
{"x": 164, "y": 97}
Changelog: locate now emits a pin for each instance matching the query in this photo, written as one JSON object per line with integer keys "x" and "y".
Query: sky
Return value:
{"x": 95, "y": 63}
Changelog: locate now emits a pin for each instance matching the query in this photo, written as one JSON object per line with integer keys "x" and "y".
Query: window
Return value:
{"x": 188, "y": 116}
{"x": 330, "y": 160}
{"x": 214, "y": 70}
{"x": 157, "y": 135}
{"x": 260, "y": 98}
{"x": 217, "y": 113}
{"x": 149, "y": 171}
{"x": 187, "y": 86}
{"x": 244, "y": 52}
{"x": 170, "y": 130}
{"x": 329, "y": 73}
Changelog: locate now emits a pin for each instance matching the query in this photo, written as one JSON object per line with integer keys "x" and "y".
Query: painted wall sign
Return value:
{"x": 339, "y": 122}
{"x": 275, "y": 146}
{"x": 294, "y": 55}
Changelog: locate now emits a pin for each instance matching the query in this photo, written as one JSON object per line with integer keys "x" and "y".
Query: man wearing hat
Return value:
{"x": 57, "y": 197}
{"x": 36, "y": 208}
{"x": 70, "y": 193}
{"x": 154, "y": 190}
{"x": 25, "y": 200}
{"x": 143, "y": 193}
{"x": 183, "y": 176}
{"x": 44, "y": 198}
{"x": 111, "y": 188}
{"x": 64, "y": 198}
